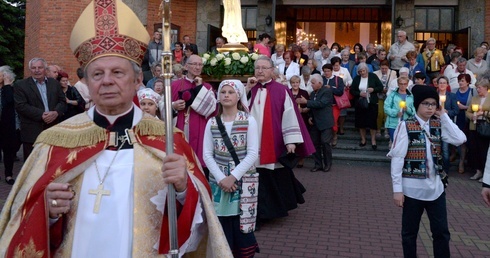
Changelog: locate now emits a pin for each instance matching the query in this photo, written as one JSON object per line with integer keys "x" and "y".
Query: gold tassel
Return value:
{"x": 73, "y": 135}
{"x": 150, "y": 126}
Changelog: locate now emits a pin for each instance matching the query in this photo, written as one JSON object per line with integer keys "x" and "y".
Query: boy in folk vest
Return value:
{"x": 417, "y": 173}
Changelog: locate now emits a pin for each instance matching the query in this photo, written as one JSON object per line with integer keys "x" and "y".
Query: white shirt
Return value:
{"x": 345, "y": 75}
{"x": 430, "y": 188}
{"x": 277, "y": 60}
{"x": 452, "y": 74}
{"x": 293, "y": 69}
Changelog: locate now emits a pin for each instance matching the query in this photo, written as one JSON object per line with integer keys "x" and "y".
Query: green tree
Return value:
{"x": 12, "y": 34}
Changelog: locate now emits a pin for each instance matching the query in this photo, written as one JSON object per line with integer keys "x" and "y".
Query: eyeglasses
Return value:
{"x": 262, "y": 68}
{"x": 196, "y": 64}
{"x": 428, "y": 104}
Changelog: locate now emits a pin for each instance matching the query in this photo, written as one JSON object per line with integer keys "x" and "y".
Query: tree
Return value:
{"x": 12, "y": 34}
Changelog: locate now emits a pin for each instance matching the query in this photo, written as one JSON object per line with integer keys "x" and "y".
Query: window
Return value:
{"x": 434, "y": 19}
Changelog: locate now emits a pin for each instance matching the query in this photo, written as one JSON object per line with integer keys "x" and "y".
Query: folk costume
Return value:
{"x": 416, "y": 171}
{"x": 119, "y": 213}
{"x": 279, "y": 123}
{"x": 237, "y": 211}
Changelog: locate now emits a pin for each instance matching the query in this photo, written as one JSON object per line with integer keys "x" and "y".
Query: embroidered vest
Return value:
{"x": 244, "y": 200}
{"x": 415, "y": 164}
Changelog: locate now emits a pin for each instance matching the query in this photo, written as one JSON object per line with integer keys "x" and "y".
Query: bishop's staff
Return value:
{"x": 167, "y": 75}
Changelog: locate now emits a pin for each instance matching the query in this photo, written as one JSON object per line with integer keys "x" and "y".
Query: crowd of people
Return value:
{"x": 236, "y": 146}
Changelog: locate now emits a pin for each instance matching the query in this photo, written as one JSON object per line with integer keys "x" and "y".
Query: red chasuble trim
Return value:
{"x": 267, "y": 157}
{"x": 32, "y": 236}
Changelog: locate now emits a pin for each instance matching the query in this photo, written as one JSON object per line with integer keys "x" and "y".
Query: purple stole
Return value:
{"x": 277, "y": 108}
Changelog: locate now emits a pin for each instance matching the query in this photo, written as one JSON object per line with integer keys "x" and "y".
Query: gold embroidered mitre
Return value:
{"x": 108, "y": 28}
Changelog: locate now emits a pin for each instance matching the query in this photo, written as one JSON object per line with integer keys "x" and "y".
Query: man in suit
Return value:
{"x": 321, "y": 121}
{"x": 39, "y": 101}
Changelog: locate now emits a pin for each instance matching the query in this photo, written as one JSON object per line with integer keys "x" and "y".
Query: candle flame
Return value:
{"x": 475, "y": 107}
{"x": 403, "y": 104}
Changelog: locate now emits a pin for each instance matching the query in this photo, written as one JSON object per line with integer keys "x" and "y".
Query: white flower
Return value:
{"x": 206, "y": 55}
{"x": 219, "y": 57}
{"x": 204, "y": 60}
{"x": 235, "y": 56}
{"x": 254, "y": 56}
{"x": 244, "y": 59}
{"x": 227, "y": 61}
{"x": 213, "y": 62}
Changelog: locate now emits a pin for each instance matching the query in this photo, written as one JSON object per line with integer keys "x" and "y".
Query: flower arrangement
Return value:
{"x": 232, "y": 63}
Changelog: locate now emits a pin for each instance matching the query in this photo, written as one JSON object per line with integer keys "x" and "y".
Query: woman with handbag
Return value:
{"x": 230, "y": 151}
{"x": 478, "y": 143}
{"x": 365, "y": 88}
{"x": 343, "y": 73}
{"x": 337, "y": 85}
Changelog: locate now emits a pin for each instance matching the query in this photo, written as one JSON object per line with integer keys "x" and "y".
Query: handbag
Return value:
{"x": 342, "y": 100}
{"x": 362, "y": 103}
{"x": 483, "y": 128}
{"x": 347, "y": 92}
{"x": 249, "y": 181}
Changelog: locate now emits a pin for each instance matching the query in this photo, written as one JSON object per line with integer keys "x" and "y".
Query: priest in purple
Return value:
{"x": 281, "y": 131}
{"x": 195, "y": 102}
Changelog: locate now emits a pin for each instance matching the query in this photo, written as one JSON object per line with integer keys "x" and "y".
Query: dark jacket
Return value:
{"x": 71, "y": 110}
{"x": 30, "y": 107}
{"x": 7, "y": 121}
{"x": 373, "y": 82}
{"x": 320, "y": 105}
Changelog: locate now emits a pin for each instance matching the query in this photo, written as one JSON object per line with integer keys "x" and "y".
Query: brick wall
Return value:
{"x": 49, "y": 24}
{"x": 184, "y": 14}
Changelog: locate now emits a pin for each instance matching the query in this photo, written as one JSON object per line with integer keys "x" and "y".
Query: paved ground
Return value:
{"x": 349, "y": 212}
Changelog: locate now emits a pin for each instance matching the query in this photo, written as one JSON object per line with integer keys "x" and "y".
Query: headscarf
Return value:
{"x": 239, "y": 89}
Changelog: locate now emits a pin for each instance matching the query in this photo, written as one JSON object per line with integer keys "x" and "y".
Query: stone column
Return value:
{"x": 406, "y": 10}
{"x": 209, "y": 12}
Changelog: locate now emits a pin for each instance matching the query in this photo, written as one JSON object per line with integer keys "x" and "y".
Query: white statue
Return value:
{"x": 232, "y": 24}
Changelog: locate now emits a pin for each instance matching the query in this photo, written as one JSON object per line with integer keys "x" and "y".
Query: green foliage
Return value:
{"x": 12, "y": 34}
{"x": 233, "y": 63}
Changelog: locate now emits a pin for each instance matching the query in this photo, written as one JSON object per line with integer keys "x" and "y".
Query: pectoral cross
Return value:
{"x": 99, "y": 192}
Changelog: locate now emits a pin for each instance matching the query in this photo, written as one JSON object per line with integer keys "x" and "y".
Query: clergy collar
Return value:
{"x": 124, "y": 121}
{"x": 188, "y": 79}
{"x": 117, "y": 129}
{"x": 264, "y": 83}
{"x": 112, "y": 119}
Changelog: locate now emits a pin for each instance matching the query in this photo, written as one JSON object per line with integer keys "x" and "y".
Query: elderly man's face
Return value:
{"x": 38, "y": 71}
{"x": 194, "y": 66}
{"x": 52, "y": 71}
{"x": 316, "y": 84}
{"x": 219, "y": 43}
{"x": 112, "y": 84}
{"x": 401, "y": 37}
{"x": 263, "y": 70}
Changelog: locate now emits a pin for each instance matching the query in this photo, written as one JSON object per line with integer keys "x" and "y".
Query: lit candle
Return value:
{"x": 402, "y": 104}
{"x": 442, "y": 99}
{"x": 474, "y": 108}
